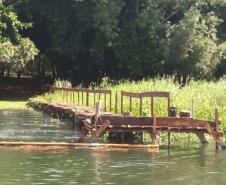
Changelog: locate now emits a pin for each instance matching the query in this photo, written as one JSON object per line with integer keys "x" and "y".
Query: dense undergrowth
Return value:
{"x": 205, "y": 95}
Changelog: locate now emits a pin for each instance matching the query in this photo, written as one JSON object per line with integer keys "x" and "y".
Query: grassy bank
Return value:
{"x": 206, "y": 96}
{"x": 13, "y": 104}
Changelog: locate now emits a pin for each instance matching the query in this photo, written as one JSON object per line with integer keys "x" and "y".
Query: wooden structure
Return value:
{"x": 54, "y": 145}
{"x": 141, "y": 96}
{"x": 95, "y": 121}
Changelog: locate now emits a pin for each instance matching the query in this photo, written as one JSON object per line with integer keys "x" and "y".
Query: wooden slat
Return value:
{"x": 130, "y": 94}
{"x": 146, "y": 94}
{"x": 102, "y": 91}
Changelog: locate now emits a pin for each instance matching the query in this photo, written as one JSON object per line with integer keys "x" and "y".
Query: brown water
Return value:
{"x": 192, "y": 165}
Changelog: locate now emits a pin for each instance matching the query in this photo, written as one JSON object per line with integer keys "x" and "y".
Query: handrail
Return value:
{"x": 85, "y": 94}
{"x": 142, "y": 95}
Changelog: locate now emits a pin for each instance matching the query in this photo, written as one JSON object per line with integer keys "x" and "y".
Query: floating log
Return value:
{"x": 79, "y": 145}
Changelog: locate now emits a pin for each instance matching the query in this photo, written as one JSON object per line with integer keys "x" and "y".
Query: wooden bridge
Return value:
{"x": 85, "y": 106}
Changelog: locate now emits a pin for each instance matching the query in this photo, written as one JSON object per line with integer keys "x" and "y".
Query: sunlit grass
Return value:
{"x": 13, "y": 104}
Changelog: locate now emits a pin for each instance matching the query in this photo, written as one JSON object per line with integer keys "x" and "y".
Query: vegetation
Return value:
{"x": 15, "y": 51}
{"x": 206, "y": 96}
{"x": 13, "y": 104}
{"x": 130, "y": 39}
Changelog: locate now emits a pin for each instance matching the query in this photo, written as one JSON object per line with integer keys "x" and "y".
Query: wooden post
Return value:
{"x": 141, "y": 102}
{"x": 116, "y": 102}
{"x": 169, "y": 106}
{"x": 78, "y": 98}
{"x": 121, "y": 103}
{"x": 110, "y": 102}
{"x": 169, "y": 138}
{"x": 130, "y": 104}
{"x": 73, "y": 96}
{"x": 94, "y": 99}
{"x": 66, "y": 96}
{"x": 97, "y": 113}
{"x": 153, "y": 136}
{"x": 217, "y": 125}
{"x": 87, "y": 99}
{"x": 105, "y": 102}
{"x": 82, "y": 98}
{"x": 152, "y": 107}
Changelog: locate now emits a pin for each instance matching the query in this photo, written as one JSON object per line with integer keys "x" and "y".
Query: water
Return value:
{"x": 24, "y": 125}
{"x": 192, "y": 165}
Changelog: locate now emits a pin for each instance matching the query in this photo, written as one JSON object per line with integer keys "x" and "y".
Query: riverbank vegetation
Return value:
{"x": 15, "y": 105}
{"x": 205, "y": 95}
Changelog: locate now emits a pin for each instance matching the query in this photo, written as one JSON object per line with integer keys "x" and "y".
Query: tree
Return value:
{"x": 15, "y": 51}
{"x": 192, "y": 45}
{"x": 126, "y": 38}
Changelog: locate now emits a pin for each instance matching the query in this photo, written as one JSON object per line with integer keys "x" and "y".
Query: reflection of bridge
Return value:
{"x": 96, "y": 122}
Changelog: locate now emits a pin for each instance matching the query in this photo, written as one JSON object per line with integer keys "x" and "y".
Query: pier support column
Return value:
{"x": 169, "y": 139}
{"x": 153, "y": 135}
{"x": 202, "y": 138}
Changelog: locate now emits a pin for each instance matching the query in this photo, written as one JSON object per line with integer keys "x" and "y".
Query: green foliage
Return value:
{"x": 15, "y": 51}
{"x": 24, "y": 53}
{"x": 191, "y": 45}
{"x": 130, "y": 39}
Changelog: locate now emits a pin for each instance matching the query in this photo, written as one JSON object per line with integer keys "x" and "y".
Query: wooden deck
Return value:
{"x": 94, "y": 121}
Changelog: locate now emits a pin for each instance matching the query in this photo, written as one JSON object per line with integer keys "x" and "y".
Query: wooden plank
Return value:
{"x": 146, "y": 94}
{"x": 102, "y": 91}
{"x": 100, "y": 130}
{"x": 130, "y": 94}
{"x": 155, "y": 94}
{"x": 78, "y": 145}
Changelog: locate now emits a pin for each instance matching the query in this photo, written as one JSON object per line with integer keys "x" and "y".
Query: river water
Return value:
{"x": 190, "y": 165}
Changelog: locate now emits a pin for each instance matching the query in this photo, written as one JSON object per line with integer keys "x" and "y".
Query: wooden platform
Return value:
{"x": 94, "y": 121}
{"x": 108, "y": 122}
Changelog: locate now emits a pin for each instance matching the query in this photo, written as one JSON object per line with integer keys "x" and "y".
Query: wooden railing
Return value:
{"x": 82, "y": 96}
{"x": 141, "y": 96}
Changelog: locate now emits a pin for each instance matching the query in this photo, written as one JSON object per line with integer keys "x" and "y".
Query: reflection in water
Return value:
{"x": 187, "y": 166}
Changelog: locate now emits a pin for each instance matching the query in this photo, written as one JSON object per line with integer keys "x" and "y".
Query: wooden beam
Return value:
{"x": 154, "y": 148}
{"x": 153, "y": 135}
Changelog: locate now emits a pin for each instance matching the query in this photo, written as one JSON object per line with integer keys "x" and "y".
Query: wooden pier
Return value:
{"x": 94, "y": 121}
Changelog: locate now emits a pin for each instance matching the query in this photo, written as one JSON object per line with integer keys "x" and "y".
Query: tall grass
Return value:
{"x": 206, "y": 96}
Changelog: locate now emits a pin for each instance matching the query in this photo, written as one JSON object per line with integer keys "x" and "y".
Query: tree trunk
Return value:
{"x": 2, "y": 71}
